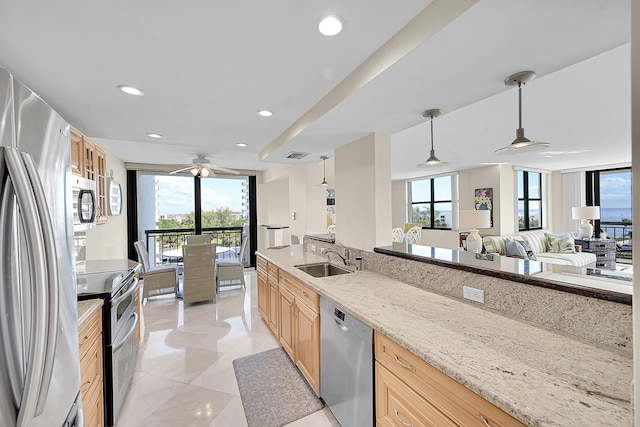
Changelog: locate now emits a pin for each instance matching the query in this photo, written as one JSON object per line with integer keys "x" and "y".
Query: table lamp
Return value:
{"x": 584, "y": 214}
{"x": 474, "y": 219}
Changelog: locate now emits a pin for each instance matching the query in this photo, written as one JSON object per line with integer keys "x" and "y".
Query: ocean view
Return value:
{"x": 615, "y": 214}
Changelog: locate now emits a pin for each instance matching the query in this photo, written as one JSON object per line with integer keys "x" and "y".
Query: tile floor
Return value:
{"x": 184, "y": 375}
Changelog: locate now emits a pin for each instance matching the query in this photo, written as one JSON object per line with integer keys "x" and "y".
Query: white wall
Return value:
{"x": 363, "y": 192}
{"x": 109, "y": 241}
{"x": 399, "y": 200}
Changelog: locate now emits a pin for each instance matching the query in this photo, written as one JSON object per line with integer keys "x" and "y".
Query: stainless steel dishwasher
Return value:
{"x": 346, "y": 366}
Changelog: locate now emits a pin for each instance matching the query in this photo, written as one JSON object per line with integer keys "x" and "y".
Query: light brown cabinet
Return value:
{"x": 90, "y": 161}
{"x": 90, "y": 341}
{"x": 291, "y": 310}
{"x": 409, "y": 391}
{"x": 274, "y": 299}
{"x": 263, "y": 291}
{"x": 300, "y": 326}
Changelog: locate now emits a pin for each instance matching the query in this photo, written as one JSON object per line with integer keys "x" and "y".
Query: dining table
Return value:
{"x": 176, "y": 254}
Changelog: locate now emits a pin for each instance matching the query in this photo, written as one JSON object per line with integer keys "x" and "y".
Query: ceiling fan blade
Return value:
{"x": 225, "y": 170}
{"x": 181, "y": 170}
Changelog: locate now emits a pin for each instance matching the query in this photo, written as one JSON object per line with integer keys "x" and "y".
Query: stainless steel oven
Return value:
{"x": 119, "y": 322}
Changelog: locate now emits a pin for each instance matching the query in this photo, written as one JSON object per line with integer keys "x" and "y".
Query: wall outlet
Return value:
{"x": 313, "y": 248}
{"x": 473, "y": 294}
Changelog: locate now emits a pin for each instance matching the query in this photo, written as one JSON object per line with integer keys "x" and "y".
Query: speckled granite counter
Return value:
{"x": 86, "y": 308}
{"x": 538, "y": 376}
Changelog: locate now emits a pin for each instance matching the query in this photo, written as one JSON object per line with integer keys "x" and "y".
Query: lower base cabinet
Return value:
{"x": 291, "y": 310}
{"x": 409, "y": 391}
{"x": 90, "y": 341}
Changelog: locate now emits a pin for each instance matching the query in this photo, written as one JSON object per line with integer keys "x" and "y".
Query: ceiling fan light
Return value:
{"x": 204, "y": 172}
{"x": 195, "y": 171}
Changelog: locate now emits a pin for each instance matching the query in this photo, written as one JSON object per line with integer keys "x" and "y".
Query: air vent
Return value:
{"x": 296, "y": 155}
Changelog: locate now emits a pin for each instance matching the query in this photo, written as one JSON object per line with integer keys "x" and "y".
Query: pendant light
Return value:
{"x": 432, "y": 160}
{"x": 521, "y": 144}
{"x": 324, "y": 182}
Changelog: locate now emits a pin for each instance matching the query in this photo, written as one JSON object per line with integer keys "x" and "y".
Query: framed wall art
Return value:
{"x": 484, "y": 201}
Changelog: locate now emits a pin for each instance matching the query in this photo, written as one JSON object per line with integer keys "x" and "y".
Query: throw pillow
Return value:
{"x": 515, "y": 248}
{"x": 527, "y": 247}
{"x": 560, "y": 243}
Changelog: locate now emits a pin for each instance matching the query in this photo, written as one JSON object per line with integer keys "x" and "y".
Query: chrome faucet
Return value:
{"x": 344, "y": 258}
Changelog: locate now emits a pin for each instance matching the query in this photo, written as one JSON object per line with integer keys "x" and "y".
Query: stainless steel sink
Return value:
{"x": 322, "y": 269}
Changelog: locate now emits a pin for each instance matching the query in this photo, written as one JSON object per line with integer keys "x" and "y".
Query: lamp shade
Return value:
{"x": 585, "y": 212}
{"x": 475, "y": 218}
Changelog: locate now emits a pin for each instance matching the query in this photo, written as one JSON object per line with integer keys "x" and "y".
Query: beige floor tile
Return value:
{"x": 184, "y": 373}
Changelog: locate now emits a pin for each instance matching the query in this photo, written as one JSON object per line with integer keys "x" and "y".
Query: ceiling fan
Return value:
{"x": 202, "y": 168}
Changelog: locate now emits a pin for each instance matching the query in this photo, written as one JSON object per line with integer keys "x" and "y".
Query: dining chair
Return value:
{"x": 413, "y": 235}
{"x": 229, "y": 271}
{"x": 295, "y": 240}
{"x": 157, "y": 280}
{"x": 198, "y": 239}
{"x": 397, "y": 235}
{"x": 198, "y": 280}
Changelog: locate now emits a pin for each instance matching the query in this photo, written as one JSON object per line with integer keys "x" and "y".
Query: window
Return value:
{"x": 529, "y": 200}
{"x": 611, "y": 190}
{"x": 431, "y": 202}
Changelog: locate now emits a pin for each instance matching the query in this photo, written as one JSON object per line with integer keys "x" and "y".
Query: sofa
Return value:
{"x": 540, "y": 245}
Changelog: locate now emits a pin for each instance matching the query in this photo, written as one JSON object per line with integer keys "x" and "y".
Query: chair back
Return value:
{"x": 397, "y": 235}
{"x": 295, "y": 240}
{"x": 199, "y": 259}
{"x": 143, "y": 255}
{"x": 413, "y": 235}
{"x": 331, "y": 229}
{"x": 198, "y": 239}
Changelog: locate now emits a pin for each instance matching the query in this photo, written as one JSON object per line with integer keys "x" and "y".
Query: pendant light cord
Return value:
{"x": 520, "y": 105}
{"x": 432, "y": 133}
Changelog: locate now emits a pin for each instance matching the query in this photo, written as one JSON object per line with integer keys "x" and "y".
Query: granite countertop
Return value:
{"x": 540, "y": 377}
{"x": 86, "y": 308}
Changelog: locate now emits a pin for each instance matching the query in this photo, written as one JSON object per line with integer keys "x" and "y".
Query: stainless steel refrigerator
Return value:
{"x": 39, "y": 360}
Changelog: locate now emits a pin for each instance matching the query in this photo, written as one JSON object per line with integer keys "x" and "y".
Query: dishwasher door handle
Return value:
{"x": 342, "y": 327}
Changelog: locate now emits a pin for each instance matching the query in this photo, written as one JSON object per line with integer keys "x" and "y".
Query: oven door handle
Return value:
{"x": 117, "y": 346}
{"x": 124, "y": 296}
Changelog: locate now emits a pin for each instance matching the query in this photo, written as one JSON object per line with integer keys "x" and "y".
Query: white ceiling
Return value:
{"x": 207, "y": 67}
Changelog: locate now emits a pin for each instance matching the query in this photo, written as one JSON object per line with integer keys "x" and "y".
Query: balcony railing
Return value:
{"x": 160, "y": 242}
{"x": 621, "y": 232}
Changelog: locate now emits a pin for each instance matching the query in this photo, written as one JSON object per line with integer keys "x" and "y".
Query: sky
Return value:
{"x": 615, "y": 190}
{"x": 175, "y": 194}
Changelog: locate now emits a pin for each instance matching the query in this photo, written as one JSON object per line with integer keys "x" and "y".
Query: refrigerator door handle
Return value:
{"x": 37, "y": 264}
{"x": 52, "y": 278}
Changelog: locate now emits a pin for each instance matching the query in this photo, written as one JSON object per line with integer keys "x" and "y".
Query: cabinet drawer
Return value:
{"x": 89, "y": 329}
{"x": 594, "y": 245}
{"x": 457, "y": 402}
{"x": 604, "y": 256}
{"x": 399, "y": 405}
{"x": 93, "y": 407}
{"x": 261, "y": 264}
{"x": 91, "y": 366}
{"x": 273, "y": 272}
{"x": 301, "y": 291}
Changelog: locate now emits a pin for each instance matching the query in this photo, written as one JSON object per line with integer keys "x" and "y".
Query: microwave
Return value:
{"x": 84, "y": 203}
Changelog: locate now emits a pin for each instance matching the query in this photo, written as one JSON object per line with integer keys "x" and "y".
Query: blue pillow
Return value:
{"x": 515, "y": 248}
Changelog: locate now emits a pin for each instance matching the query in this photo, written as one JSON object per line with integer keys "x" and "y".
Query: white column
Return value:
{"x": 363, "y": 192}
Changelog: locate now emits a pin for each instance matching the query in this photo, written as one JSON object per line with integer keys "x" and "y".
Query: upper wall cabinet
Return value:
{"x": 90, "y": 161}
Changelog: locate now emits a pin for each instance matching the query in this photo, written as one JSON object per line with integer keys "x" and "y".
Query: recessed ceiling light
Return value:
{"x": 265, "y": 113}
{"x": 130, "y": 90}
{"x": 154, "y": 135}
{"x": 330, "y": 25}
{"x": 241, "y": 144}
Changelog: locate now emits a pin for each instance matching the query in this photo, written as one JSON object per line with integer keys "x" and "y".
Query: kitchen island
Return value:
{"x": 540, "y": 377}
